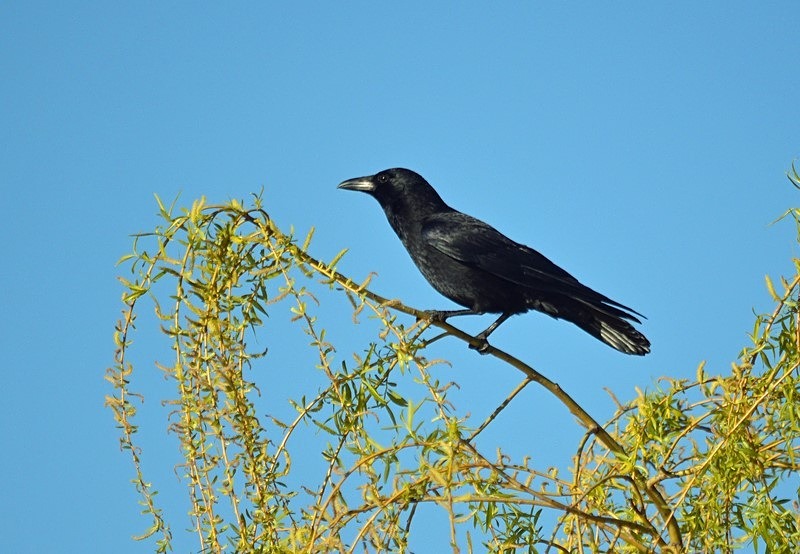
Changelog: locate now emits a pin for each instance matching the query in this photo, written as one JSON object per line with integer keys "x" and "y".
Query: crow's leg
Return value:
{"x": 443, "y": 315}
{"x": 490, "y": 329}
{"x": 484, "y": 347}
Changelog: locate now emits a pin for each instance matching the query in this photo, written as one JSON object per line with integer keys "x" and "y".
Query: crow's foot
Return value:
{"x": 482, "y": 347}
{"x": 441, "y": 316}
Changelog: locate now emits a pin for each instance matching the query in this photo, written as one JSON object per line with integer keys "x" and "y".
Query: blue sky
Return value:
{"x": 643, "y": 147}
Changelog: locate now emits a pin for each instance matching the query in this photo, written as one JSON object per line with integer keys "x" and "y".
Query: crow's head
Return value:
{"x": 397, "y": 189}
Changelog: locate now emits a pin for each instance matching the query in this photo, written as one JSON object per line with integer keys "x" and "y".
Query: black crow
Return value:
{"x": 476, "y": 266}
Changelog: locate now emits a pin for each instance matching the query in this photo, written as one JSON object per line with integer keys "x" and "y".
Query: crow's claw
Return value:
{"x": 439, "y": 316}
{"x": 483, "y": 347}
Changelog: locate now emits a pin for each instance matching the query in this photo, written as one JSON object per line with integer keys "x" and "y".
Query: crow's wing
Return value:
{"x": 477, "y": 244}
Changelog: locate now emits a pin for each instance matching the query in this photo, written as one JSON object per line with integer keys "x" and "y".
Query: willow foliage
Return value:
{"x": 699, "y": 465}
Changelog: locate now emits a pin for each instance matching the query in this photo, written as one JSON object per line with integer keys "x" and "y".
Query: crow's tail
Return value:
{"x": 607, "y": 323}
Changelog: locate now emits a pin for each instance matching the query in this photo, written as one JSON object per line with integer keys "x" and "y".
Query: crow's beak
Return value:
{"x": 364, "y": 184}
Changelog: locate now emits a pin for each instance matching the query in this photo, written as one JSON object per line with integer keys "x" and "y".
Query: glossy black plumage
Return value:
{"x": 476, "y": 266}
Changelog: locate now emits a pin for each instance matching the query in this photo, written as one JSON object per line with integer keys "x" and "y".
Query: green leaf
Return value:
{"x": 771, "y": 289}
{"x": 396, "y": 398}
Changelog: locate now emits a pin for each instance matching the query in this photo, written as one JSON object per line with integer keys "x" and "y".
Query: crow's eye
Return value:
{"x": 383, "y": 178}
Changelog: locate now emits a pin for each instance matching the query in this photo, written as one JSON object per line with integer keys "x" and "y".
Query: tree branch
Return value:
{"x": 585, "y": 419}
